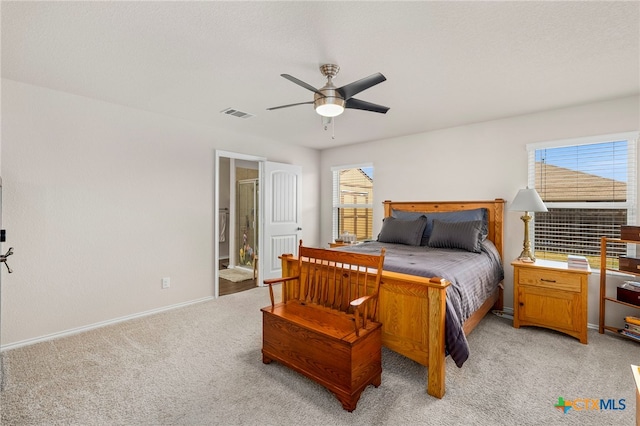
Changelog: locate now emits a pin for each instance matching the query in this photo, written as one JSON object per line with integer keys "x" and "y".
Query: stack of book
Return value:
{"x": 629, "y": 292}
{"x": 631, "y": 285}
{"x": 631, "y": 328}
{"x": 577, "y": 262}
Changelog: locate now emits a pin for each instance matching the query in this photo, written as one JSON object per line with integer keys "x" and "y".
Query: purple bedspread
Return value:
{"x": 473, "y": 276}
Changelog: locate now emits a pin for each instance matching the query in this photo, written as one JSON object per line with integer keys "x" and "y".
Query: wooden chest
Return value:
{"x": 628, "y": 232}
{"x": 628, "y": 296}
{"x": 326, "y": 351}
{"x": 630, "y": 264}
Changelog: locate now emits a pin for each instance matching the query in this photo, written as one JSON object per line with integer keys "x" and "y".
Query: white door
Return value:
{"x": 282, "y": 228}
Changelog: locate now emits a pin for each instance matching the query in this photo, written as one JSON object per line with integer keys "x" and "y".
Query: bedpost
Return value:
{"x": 387, "y": 208}
{"x": 436, "y": 367}
{"x": 498, "y": 225}
{"x": 498, "y": 241}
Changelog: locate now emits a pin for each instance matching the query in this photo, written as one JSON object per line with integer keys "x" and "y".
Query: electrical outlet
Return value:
{"x": 166, "y": 282}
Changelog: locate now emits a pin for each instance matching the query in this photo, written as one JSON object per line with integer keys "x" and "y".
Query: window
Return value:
{"x": 353, "y": 201}
{"x": 589, "y": 186}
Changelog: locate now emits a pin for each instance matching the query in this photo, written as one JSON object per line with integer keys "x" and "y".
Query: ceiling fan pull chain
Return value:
{"x": 333, "y": 128}
{"x": 325, "y": 122}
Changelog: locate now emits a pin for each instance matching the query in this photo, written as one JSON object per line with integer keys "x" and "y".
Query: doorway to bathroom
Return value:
{"x": 272, "y": 225}
{"x": 239, "y": 229}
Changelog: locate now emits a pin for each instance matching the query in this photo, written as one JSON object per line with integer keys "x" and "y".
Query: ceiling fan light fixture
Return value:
{"x": 329, "y": 106}
{"x": 329, "y": 110}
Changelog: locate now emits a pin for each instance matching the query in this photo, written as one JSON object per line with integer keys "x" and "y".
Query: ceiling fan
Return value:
{"x": 330, "y": 101}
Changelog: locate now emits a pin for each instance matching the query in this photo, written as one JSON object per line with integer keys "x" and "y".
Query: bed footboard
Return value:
{"x": 412, "y": 313}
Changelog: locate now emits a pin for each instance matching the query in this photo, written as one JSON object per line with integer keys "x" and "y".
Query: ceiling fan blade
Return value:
{"x": 301, "y": 83}
{"x": 290, "y": 105}
{"x": 356, "y": 87}
{"x": 364, "y": 105}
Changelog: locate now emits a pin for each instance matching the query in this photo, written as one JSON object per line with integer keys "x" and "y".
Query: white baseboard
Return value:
{"x": 99, "y": 324}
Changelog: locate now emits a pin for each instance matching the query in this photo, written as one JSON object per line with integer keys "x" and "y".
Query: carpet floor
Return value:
{"x": 201, "y": 365}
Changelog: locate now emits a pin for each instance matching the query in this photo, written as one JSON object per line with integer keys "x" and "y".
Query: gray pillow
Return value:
{"x": 400, "y": 231}
{"x": 454, "y": 216}
{"x": 459, "y": 235}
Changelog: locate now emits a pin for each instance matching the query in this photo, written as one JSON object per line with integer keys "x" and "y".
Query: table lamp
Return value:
{"x": 527, "y": 200}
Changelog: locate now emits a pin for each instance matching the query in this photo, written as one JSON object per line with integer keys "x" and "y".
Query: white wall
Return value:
{"x": 101, "y": 201}
{"x": 475, "y": 162}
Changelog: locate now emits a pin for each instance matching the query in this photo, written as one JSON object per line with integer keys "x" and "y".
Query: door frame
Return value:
{"x": 216, "y": 208}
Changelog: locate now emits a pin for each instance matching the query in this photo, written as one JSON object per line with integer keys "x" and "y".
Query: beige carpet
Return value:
{"x": 201, "y": 365}
{"x": 236, "y": 275}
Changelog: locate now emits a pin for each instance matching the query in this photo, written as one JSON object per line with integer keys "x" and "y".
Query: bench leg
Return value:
{"x": 349, "y": 403}
{"x": 377, "y": 381}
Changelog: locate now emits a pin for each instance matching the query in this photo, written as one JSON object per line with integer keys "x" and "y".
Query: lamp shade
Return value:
{"x": 528, "y": 200}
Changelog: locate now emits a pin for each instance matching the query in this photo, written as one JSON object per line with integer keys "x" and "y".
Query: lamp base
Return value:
{"x": 526, "y": 256}
{"x": 526, "y": 259}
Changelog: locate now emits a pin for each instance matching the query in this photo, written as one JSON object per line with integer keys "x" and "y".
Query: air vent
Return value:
{"x": 236, "y": 113}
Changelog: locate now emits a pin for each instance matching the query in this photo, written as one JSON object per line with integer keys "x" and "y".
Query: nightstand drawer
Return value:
{"x": 550, "y": 279}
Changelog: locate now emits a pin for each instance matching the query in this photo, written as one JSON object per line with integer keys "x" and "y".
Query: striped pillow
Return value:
{"x": 399, "y": 231}
{"x": 457, "y": 235}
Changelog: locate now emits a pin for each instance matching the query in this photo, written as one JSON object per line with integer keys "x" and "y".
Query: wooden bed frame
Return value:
{"x": 412, "y": 309}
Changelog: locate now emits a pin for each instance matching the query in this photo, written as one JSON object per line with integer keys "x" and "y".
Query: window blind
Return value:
{"x": 589, "y": 186}
{"x": 583, "y": 173}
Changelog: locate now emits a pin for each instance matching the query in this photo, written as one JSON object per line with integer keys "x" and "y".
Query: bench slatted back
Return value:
{"x": 333, "y": 278}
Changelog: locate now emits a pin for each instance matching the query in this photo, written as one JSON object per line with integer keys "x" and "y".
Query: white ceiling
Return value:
{"x": 447, "y": 63}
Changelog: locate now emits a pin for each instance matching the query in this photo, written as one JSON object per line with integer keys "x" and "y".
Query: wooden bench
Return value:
{"x": 325, "y": 329}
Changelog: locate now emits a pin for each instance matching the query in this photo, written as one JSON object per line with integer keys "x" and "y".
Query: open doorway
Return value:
{"x": 238, "y": 270}
{"x": 275, "y": 219}
{"x": 237, "y": 201}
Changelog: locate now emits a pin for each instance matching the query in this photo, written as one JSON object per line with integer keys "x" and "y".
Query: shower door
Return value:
{"x": 247, "y": 222}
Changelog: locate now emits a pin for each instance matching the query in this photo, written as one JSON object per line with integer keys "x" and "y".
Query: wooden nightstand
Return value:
{"x": 549, "y": 294}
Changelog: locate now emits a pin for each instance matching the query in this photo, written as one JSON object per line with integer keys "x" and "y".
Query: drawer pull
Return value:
{"x": 547, "y": 281}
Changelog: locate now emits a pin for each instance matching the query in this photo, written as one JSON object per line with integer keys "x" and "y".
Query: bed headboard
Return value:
{"x": 494, "y": 207}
